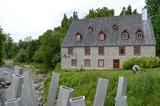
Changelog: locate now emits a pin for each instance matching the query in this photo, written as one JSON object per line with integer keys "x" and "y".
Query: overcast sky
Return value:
{"x": 23, "y": 18}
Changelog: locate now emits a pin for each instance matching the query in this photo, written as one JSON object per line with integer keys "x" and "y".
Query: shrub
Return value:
{"x": 144, "y": 62}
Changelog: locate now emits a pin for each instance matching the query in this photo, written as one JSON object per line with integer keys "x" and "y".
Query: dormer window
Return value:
{"x": 125, "y": 34}
{"x": 102, "y": 36}
{"x": 78, "y": 36}
{"x": 114, "y": 27}
{"x": 90, "y": 29}
{"x": 139, "y": 34}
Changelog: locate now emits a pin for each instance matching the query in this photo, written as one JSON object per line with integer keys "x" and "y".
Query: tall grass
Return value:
{"x": 143, "y": 88}
{"x": 144, "y": 62}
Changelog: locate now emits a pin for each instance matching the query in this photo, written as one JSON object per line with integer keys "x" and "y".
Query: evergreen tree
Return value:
{"x": 129, "y": 10}
{"x": 123, "y": 12}
{"x": 64, "y": 21}
{"x": 135, "y": 11}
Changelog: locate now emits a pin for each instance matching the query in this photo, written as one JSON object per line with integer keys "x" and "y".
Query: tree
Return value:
{"x": 156, "y": 23}
{"x": 123, "y": 12}
{"x": 28, "y": 46}
{"x": 50, "y": 43}
{"x": 64, "y": 21}
{"x": 21, "y": 56}
{"x": 135, "y": 11}
{"x": 152, "y": 6}
{"x": 31, "y": 48}
{"x": 9, "y": 47}
{"x": 100, "y": 12}
{"x": 22, "y": 44}
{"x": 129, "y": 10}
{"x": 2, "y": 41}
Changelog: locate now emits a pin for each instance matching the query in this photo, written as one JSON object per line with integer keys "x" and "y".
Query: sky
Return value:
{"x": 22, "y": 18}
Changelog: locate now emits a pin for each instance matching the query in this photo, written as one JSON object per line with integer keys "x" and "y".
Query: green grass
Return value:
{"x": 143, "y": 88}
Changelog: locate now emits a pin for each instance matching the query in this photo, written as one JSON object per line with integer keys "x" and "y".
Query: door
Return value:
{"x": 116, "y": 64}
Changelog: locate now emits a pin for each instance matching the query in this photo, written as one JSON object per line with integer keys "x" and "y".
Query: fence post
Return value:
{"x": 18, "y": 70}
{"x": 28, "y": 89}
{"x": 16, "y": 86}
{"x": 53, "y": 90}
{"x": 78, "y": 101}
{"x": 101, "y": 92}
{"x": 65, "y": 94}
{"x": 121, "y": 98}
{"x": 13, "y": 102}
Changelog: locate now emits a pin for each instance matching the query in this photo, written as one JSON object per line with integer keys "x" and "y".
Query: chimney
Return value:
{"x": 144, "y": 14}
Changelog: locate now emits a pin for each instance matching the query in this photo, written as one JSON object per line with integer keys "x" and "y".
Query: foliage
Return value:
{"x": 10, "y": 47}
{"x": 26, "y": 49}
{"x": 135, "y": 11}
{"x": 31, "y": 48}
{"x": 128, "y": 11}
{"x": 2, "y": 41}
{"x": 153, "y": 7}
{"x": 123, "y": 12}
{"x": 144, "y": 62}
{"x": 21, "y": 56}
{"x": 100, "y": 12}
{"x": 47, "y": 53}
{"x": 142, "y": 90}
{"x": 156, "y": 23}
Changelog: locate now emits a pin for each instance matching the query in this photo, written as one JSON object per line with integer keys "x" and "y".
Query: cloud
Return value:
{"x": 23, "y": 18}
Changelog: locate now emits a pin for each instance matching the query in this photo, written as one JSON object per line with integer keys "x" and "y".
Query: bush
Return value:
{"x": 144, "y": 62}
{"x": 21, "y": 56}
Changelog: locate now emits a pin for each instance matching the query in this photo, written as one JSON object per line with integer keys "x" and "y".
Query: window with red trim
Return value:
{"x": 102, "y": 36}
{"x": 114, "y": 27}
{"x": 78, "y": 36}
{"x": 90, "y": 29}
{"x": 125, "y": 34}
{"x": 139, "y": 34}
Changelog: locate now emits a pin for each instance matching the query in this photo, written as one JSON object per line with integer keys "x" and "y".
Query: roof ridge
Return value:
{"x": 107, "y": 17}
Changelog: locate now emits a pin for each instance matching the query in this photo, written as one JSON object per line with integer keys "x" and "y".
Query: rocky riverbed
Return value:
{"x": 38, "y": 87}
{"x": 38, "y": 79}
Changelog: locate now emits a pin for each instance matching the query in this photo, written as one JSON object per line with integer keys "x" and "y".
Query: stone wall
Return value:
{"x": 110, "y": 54}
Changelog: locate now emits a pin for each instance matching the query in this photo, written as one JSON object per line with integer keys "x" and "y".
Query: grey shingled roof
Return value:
{"x": 132, "y": 23}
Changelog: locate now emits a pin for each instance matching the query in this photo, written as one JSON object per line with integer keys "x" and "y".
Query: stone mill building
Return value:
{"x": 106, "y": 42}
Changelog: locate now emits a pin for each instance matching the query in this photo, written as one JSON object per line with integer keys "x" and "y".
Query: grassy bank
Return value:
{"x": 143, "y": 88}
